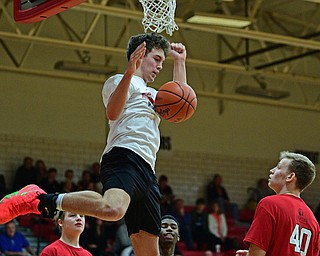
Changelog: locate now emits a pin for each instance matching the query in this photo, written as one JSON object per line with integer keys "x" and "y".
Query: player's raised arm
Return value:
{"x": 118, "y": 98}
{"x": 179, "y": 54}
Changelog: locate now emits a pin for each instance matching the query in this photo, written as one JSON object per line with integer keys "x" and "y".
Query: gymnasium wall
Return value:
{"x": 62, "y": 122}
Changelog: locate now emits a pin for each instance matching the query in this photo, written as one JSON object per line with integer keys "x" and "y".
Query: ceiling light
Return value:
{"x": 85, "y": 68}
{"x": 217, "y": 20}
{"x": 260, "y": 92}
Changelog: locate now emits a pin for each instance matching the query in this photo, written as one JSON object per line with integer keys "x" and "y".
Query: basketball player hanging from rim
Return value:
{"x": 130, "y": 186}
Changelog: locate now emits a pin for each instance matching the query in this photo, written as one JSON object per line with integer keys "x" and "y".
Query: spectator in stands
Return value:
{"x": 217, "y": 193}
{"x": 169, "y": 236}
{"x": 50, "y": 184}
{"x": 3, "y": 186}
{"x": 41, "y": 171}
{"x": 95, "y": 176}
{"x": 122, "y": 243}
{"x": 25, "y": 174}
{"x": 184, "y": 220}
{"x": 71, "y": 225}
{"x": 95, "y": 172}
{"x": 256, "y": 194}
{"x": 263, "y": 189}
{"x": 13, "y": 242}
{"x": 68, "y": 184}
{"x": 199, "y": 224}
{"x": 218, "y": 229}
{"x": 85, "y": 183}
{"x": 167, "y": 194}
{"x": 94, "y": 237}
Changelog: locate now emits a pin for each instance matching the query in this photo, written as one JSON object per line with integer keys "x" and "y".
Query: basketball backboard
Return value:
{"x": 27, "y": 11}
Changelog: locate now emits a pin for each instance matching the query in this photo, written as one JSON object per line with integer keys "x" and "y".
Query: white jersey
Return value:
{"x": 137, "y": 127}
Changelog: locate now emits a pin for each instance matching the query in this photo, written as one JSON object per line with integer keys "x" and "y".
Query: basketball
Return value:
{"x": 175, "y": 101}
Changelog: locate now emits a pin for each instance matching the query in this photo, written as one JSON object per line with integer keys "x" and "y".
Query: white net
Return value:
{"x": 159, "y": 15}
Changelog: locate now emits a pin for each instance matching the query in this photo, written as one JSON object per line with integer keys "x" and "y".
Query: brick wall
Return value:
{"x": 61, "y": 154}
{"x": 188, "y": 172}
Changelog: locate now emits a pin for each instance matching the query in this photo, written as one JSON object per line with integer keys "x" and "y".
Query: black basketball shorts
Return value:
{"x": 122, "y": 168}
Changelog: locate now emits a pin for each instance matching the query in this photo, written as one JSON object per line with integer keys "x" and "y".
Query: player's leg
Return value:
{"x": 110, "y": 207}
{"x": 32, "y": 199}
{"x": 144, "y": 243}
{"x": 117, "y": 186}
{"x": 143, "y": 218}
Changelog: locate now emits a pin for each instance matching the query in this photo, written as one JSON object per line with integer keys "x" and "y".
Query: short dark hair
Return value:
{"x": 52, "y": 169}
{"x": 153, "y": 40}
{"x": 167, "y": 216}
{"x": 200, "y": 201}
{"x": 163, "y": 178}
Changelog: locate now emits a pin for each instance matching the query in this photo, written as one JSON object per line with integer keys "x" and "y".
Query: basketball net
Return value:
{"x": 159, "y": 15}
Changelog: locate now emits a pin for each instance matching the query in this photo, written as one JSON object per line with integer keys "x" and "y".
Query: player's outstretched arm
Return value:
{"x": 118, "y": 98}
{"x": 179, "y": 54}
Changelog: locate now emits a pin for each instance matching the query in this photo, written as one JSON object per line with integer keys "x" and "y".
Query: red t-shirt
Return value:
{"x": 284, "y": 225}
{"x": 59, "y": 248}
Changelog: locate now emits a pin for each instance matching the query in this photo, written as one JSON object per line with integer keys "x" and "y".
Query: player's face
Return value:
{"x": 73, "y": 222}
{"x": 152, "y": 64}
{"x": 169, "y": 231}
{"x": 278, "y": 175}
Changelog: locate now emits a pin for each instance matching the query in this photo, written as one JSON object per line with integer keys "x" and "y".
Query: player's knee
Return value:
{"x": 112, "y": 213}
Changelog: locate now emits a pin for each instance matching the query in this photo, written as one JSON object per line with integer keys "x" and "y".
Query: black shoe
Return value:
{"x": 47, "y": 205}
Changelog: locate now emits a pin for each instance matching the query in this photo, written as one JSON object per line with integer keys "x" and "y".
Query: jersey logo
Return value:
{"x": 148, "y": 96}
{"x": 301, "y": 217}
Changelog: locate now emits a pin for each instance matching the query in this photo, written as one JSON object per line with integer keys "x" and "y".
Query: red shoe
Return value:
{"x": 24, "y": 201}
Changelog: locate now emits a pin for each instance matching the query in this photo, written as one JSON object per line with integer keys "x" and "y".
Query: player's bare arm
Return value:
{"x": 118, "y": 98}
{"x": 253, "y": 251}
{"x": 179, "y": 54}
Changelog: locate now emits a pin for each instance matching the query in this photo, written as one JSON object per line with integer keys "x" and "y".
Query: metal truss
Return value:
{"x": 278, "y": 44}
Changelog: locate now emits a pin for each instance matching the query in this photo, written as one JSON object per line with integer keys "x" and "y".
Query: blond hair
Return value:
{"x": 303, "y": 168}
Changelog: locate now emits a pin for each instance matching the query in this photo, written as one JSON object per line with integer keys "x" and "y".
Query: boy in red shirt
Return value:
{"x": 283, "y": 224}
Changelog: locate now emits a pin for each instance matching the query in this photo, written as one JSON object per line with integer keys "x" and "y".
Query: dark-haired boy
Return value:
{"x": 130, "y": 186}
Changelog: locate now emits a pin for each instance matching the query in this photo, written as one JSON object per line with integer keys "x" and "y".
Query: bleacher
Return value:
{"x": 40, "y": 232}
{"x": 37, "y": 243}
{"x": 236, "y": 230}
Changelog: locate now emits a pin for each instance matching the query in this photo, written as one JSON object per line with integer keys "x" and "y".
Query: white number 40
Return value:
{"x": 297, "y": 238}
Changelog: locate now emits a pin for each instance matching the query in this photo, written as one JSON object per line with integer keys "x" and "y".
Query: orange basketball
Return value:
{"x": 175, "y": 101}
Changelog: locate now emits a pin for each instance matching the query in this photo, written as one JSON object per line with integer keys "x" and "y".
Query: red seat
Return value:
{"x": 26, "y": 220}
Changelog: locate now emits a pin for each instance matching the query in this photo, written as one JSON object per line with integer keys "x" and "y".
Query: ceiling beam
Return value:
{"x": 220, "y": 96}
{"x": 262, "y": 50}
{"x": 204, "y": 64}
{"x": 242, "y": 33}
